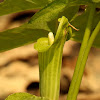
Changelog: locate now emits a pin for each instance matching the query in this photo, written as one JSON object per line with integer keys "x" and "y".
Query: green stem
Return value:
{"x": 75, "y": 84}
{"x": 90, "y": 42}
{"x": 92, "y": 38}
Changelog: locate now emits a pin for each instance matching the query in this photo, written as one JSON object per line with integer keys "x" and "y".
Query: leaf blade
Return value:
{"x": 24, "y": 34}
{"x": 12, "y": 38}
{"x": 24, "y": 96}
{"x": 44, "y": 21}
{"x": 80, "y": 22}
{"x": 9, "y": 6}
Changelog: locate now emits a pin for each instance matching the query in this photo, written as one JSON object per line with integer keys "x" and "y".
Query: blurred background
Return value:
{"x": 19, "y": 70}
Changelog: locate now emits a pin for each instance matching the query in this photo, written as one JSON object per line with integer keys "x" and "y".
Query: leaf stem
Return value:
{"x": 75, "y": 84}
{"x": 90, "y": 42}
{"x": 93, "y": 36}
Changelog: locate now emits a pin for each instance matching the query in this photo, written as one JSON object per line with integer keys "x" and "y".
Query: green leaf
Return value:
{"x": 16, "y": 37}
{"x": 80, "y": 22}
{"x": 37, "y": 27}
{"x": 12, "y": 6}
{"x": 47, "y": 18}
{"x": 24, "y": 96}
{"x": 40, "y": 24}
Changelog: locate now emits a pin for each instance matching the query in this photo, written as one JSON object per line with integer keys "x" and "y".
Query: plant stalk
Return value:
{"x": 79, "y": 69}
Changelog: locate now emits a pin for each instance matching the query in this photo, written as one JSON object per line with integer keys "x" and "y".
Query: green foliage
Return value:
{"x": 39, "y": 26}
{"x": 43, "y": 21}
{"x": 21, "y": 36}
{"x": 12, "y": 6}
{"x": 24, "y": 96}
{"x": 80, "y": 22}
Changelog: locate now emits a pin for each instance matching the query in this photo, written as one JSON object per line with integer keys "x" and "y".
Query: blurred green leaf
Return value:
{"x": 41, "y": 23}
{"x": 36, "y": 28}
{"x": 12, "y": 6}
{"x": 19, "y": 36}
{"x": 9, "y": 6}
{"x": 80, "y": 22}
{"x": 24, "y": 96}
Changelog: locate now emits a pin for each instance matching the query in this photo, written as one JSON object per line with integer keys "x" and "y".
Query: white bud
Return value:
{"x": 50, "y": 38}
